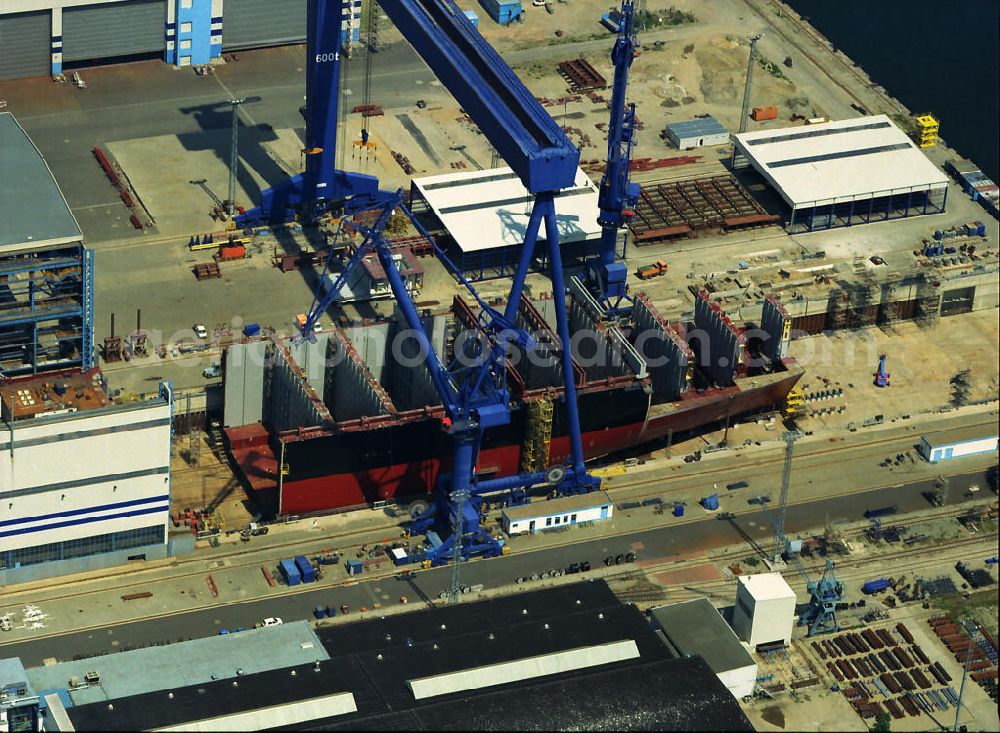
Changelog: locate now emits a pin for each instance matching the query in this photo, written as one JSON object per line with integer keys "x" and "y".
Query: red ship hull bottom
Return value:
{"x": 341, "y": 491}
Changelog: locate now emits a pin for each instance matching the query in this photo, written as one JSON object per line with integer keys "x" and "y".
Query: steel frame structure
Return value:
{"x": 875, "y": 208}
{"x": 46, "y": 310}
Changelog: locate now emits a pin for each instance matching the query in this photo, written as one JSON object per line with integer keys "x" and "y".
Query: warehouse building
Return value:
{"x": 700, "y": 133}
{"x": 42, "y": 37}
{"x": 480, "y": 217}
{"x": 563, "y": 658}
{"x": 697, "y": 628}
{"x": 847, "y": 172}
{"x": 946, "y": 444}
{"x": 84, "y": 482}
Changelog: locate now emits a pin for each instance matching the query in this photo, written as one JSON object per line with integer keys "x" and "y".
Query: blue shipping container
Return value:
{"x": 504, "y": 12}
{"x": 306, "y": 568}
{"x": 290, "y": 572}
{"x": 251, "y": 329}
{"x": 874, "y": 586}
{"x": 354, "y": 567}
{"x": 678, "y": 510}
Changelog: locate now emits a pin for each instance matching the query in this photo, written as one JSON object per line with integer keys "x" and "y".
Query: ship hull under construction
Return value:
{"x": 374, "y": 441}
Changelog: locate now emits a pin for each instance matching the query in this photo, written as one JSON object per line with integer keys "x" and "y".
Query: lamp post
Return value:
{"x": 234, "y": 149}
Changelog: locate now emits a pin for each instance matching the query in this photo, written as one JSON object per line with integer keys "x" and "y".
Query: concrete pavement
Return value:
{"x": 183, "y": 603}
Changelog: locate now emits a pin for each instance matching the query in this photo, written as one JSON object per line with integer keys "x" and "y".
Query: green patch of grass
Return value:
{"x": 770, "y": 67}
{"x": 650, "y": 19}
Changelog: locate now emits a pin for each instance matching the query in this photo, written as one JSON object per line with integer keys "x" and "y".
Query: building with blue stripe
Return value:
{"x": 84, "y": 482}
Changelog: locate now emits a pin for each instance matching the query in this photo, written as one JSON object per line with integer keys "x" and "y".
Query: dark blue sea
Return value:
{"x": 937, "y": 57}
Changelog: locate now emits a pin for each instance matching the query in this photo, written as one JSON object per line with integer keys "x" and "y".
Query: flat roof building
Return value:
{"x": 765, "y": 609}
{"x": 697, "y": 627}
{"x": 566, "y": 511}
{"x": 84, "y": 482}
{"x": 697, "y": 133}
{"x": 946, "y": 444}
{"x": 845, "y": 172}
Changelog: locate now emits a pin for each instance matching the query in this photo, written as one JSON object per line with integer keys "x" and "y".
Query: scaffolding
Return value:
{"x": 928, "y": 307}
{"x": 537, "y": 436}
{"x": 928, "y": 128}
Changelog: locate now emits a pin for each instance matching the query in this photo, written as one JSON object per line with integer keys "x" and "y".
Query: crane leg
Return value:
{"x": 562, "y": 323}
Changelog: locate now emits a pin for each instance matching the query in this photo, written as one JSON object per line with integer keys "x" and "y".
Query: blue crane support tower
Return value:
{"x": 472, "y": 389}
{"x": 321, "y": 183}
{"x": 618, "y": 196}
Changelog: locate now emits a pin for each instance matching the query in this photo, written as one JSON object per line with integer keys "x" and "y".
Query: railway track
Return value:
{"x": 749, "y": 472}
{"x": 848, "y": 568}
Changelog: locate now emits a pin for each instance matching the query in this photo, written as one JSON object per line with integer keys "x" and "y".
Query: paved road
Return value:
{"x": 662, "y": 542}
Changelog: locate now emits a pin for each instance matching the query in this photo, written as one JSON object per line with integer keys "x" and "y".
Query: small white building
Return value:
{"x": 698, "y": 133}
{"x": 565, "y": 511}
{"x": 945, "y": 444}
{"x": 765, "y": 609}
{"x": 696, "y": 628}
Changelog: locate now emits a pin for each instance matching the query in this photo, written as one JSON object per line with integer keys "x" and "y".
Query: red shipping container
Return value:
{"x": 229, "y": 252}
{"x": 760, "y": 114}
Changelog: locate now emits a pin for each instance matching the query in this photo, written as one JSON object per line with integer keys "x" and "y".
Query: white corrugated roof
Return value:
{"x": 490, "y": 208}
{"x": 767, "y": 586}
{"x": 839, "y": 161}
{"x": 490, "y": 675}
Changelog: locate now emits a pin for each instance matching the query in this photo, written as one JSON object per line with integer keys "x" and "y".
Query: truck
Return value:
{"x": 654, "y": 270}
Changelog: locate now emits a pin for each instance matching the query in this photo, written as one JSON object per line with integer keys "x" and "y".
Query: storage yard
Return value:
{"x": 387, "y": 359}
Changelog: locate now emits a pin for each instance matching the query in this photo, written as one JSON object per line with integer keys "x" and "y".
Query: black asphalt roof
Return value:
{"x": 651, "y": 692}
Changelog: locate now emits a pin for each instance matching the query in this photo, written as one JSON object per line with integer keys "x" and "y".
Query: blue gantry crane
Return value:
{"x": 618, "y": 196}
{"x": 472, "y": 389}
